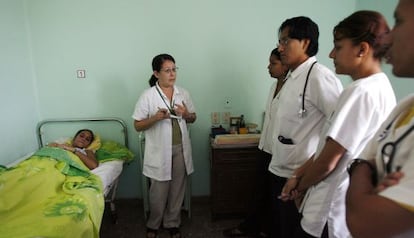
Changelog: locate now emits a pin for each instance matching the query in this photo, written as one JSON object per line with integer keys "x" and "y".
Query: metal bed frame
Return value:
{"x": 110, "y": 197}
{"x": 110, "y": 119}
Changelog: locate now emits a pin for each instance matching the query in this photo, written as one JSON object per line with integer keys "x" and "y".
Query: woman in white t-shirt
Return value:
{"x": 320, "y": 184}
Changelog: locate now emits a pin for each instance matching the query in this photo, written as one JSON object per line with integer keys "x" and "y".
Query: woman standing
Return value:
{"x": 360, "y": 110}
{"x": 163, "y": 112}
{"x": 256, "y": 223}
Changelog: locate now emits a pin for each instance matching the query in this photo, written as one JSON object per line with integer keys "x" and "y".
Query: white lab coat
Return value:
{"x": 361, "y": 109}
{"x": 322, "y": 92}
{"x": 268, "y": 132}
{"x": 403, "y": 192}
{"x": 158, "y": 138}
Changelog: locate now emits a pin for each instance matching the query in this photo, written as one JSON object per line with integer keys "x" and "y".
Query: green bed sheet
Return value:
{"x": 51, "y": 194}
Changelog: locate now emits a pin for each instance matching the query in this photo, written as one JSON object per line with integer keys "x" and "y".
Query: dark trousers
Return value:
{"x": 285, "y": 215}
{"x": 300, "y": 233}
{"x": 258, "y": 218}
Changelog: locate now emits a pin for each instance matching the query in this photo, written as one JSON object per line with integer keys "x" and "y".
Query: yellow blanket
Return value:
{"x": 51, "y": 194}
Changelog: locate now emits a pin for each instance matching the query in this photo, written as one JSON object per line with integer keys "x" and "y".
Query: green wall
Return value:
{"x": 19, "y": 107}
{"x": 221, "y": 47}
{"x": 402, "y": 86}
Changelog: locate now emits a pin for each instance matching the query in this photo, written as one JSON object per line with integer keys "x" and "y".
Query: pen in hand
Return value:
{"x": 162, "y": 113}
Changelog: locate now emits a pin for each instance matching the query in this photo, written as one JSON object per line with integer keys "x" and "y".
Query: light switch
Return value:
{"x": 215, "y": 119}
{"x": 225, "y": 117}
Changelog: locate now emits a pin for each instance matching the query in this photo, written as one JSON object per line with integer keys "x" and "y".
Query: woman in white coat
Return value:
{"x": 256, "y": 223}
{"x": 163, "y": 112}
{"x": 360, "y": 110}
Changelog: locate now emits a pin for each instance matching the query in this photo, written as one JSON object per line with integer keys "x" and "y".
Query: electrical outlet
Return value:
{"x": 225, "y": 117}
{"x": 215, "y": 119}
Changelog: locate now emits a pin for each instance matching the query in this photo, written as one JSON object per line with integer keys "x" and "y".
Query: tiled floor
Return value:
{"x": 131, "y": 221}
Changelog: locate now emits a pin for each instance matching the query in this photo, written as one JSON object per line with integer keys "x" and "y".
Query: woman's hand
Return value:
{"x": 53, "y": 144}
{"x": 161, "y": 114}
{"x": 62, "y": 146}
{"x": 181, "y": 110}
{"x": 389, "y": 180}
{"x": 68, "y": 148}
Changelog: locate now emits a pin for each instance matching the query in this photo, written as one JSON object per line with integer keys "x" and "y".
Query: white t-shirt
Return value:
{"x": 361, "y": 109}
{"x": 321, "y": 94}
{"x": 267, "y": 135}
{"x": 158, "y": 138}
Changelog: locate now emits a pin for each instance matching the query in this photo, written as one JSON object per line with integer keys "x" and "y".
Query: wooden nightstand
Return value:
{"x": 234, "y": 177}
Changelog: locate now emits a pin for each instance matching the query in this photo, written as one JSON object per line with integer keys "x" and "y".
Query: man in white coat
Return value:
{"x": 305, "y": 102}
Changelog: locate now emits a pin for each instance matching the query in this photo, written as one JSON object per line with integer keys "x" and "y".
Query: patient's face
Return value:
{"x": 83, "y": 140}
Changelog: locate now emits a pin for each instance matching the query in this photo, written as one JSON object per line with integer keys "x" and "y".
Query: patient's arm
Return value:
{"x": 62, "y": 146}
{"x": 87, "y": 156}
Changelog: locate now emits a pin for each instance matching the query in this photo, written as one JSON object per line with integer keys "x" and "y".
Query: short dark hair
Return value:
{"x": 300, "y": 28}
{"x": 365, "y": 26}
{"x": 157, "y": 62}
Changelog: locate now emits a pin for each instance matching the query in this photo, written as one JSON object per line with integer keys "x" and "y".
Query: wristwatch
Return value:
{"x": 355, "y": 162}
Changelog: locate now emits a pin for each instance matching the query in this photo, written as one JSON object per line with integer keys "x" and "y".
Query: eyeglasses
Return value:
{"x": 284, "y": 41}
{"x": 168, "y": 70}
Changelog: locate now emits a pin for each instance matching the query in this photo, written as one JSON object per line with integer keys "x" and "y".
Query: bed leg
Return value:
{"x": 114, "y": 215}
{"x": 111, "y": 200}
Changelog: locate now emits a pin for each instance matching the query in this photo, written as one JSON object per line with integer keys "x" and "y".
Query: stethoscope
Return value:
{"x": 388, "y": 149}
{"x": 302, "y": 111}
{"x": 169, "y": 107}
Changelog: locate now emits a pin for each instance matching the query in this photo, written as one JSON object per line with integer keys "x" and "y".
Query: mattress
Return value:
{"x": 108, "y": 172}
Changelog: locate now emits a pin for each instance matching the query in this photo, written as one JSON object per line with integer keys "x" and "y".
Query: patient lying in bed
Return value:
{"x": 53, "y": 193}
{"x": 80, "y": 147}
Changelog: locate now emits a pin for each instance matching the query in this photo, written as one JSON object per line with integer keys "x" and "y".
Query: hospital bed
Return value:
{"x": 93, "y": 188}
{"x": 146, "y": 182}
